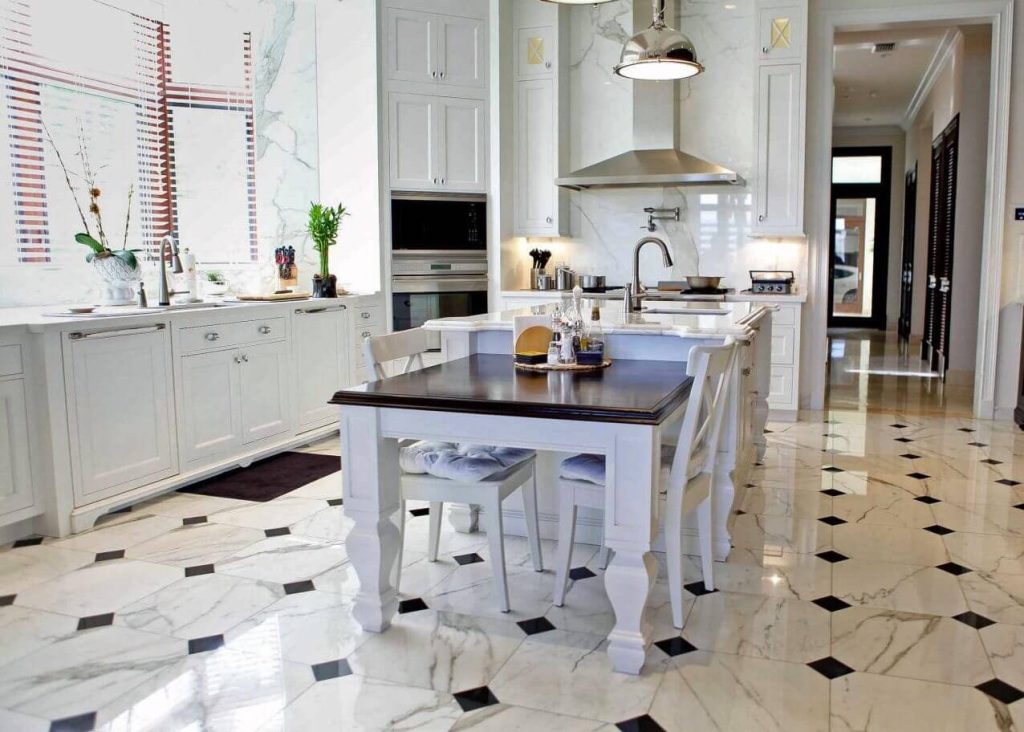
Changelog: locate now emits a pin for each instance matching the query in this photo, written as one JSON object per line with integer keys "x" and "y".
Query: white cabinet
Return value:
{"x": 321, "y": 356}
{"x": 437, "y": 143}
{"x": 535, "y": 52}
{"x": 212, "y": 423}
{"x": 784, "y": 391}
{"x": 16, "y": 485}
{"x": 781, "y": 30}
{"x": 435, "y": 49}
{"x": 780, "y": 156}
{"x": 121, "y": 409}
{"x": 264, "y": 388}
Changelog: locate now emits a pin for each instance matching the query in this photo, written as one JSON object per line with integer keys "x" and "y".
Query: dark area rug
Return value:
{"x": 268, "y": 479}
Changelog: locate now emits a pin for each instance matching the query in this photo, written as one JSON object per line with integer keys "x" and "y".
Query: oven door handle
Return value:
{"x": 426, "y": 285}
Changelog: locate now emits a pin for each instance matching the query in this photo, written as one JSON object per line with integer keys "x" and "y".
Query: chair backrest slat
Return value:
{"x": 407, "y": 344}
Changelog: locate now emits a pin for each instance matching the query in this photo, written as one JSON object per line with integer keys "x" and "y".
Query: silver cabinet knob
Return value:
{"x": 245, "y": 358}
{"x": 442, "y": 74}
{"x": 547, "y": 64}
{"x": 213, "y": 336}
{"x": 436, "y": 181}
{"x": 548, "y": 219}
{"x": 761, "y": 217}
{"x": 237, "y": 359}
{"x": 366, "y": 334}
{"x": 443, "y": 181}
{"x": 765, "y": 49}
{"x": 433, "y": 74}
{"x": 264, "y": 329}
{"x": 365, "y": 315}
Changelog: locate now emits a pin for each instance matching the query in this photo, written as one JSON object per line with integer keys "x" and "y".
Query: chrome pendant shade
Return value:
{"x": 658, "y": 53}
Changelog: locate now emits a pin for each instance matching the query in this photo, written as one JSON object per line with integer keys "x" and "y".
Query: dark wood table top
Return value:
{"x": 635, "y": 392}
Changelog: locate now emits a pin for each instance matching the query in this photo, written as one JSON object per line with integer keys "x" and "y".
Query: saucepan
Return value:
{"x": 592, "y": 283}
{"x": 703, "y": 283}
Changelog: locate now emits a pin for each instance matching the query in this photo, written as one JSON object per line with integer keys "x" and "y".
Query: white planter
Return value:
{"x": 119, "y": 280}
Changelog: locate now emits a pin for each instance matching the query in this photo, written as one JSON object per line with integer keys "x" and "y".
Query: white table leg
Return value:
{"x": 370, "y": 478}
{"x": 630, "y": 520}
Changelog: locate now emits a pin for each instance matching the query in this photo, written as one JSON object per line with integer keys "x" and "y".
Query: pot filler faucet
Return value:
{"x": 165, "y": 294}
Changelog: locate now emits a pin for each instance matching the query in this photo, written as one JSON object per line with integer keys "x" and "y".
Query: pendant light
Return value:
{"x": 658, "y": 53}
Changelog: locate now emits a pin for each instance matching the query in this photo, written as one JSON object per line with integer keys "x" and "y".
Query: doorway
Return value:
{"x": 859, "y": 237}
{"x": 907, "y": 269}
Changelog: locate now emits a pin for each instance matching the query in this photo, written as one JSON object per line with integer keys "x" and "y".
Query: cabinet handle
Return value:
{"x": 746, "y": 371}
{"x": 118, "y": 332}
{"x": 442, "y": 74}
{"x": 245, "y": 358}
{"x": 547, "y": 64}
{"x": 313, "y": 311}
{"x": 366, "y": 334}
{"x": 264, "y": 329}
{"x": 433, "y": 74}
{"x": 442, "y": 181}
{"x": 548, "y": 219}
{"x": 365, "y": 315}
{"x": 765, "y": 49}
{"x": 237, "y": 359}
{"x": 435, "y": 181}
{"x": 761, "y": 217}
{"x": 213, "y": 336}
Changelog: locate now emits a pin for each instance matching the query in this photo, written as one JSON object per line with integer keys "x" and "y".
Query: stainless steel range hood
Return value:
{"x": 654, "y": 161}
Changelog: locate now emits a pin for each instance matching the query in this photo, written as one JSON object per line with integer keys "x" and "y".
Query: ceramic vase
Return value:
{"x": 119, "y": 281}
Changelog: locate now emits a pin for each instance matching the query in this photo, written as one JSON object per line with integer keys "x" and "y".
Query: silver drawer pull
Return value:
{"x": 78, "y": 336}
{"x": 367, "y": 334}
{"x": 365, "y": 315}
{"x": 214, "y": 336}
{"x": 245, "y": 358}
{"x": 264, "y": 329}
{"x": 312, "y": 311}
{"x": 237, "y": 359}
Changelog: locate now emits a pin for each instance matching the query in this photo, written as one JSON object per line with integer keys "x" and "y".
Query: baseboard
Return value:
{"x": 783, "y": 415}
{"x": 17, "y": 530}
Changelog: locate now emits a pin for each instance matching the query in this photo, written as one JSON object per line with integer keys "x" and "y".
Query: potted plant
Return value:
{"x": 118, "y": 268}
{"x": 323, "y": 230}
{"x": 215, "y": 284}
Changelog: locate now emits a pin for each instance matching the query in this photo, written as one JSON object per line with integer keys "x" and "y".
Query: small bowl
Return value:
{"x": 81, "y": 309}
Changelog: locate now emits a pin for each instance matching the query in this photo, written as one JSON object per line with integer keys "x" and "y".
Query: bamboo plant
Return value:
{"x": 323, "y": 230}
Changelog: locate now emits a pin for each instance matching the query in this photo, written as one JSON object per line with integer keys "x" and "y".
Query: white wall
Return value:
{"x": 895, "y": 138}
{"x": 347, "y": 112}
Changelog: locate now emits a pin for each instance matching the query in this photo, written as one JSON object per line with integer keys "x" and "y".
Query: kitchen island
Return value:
{"x": 476, "y": 395}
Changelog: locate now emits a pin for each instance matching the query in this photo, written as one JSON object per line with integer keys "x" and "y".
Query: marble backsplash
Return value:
{"x": 717, "y": 119}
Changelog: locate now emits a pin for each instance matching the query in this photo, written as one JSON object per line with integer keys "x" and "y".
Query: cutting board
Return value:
{"x": 275, "y": 297}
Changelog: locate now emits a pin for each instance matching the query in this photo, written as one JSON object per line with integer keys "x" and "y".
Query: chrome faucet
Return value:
{"x": 165, "y": 293}
{"x": 639, "y": 289}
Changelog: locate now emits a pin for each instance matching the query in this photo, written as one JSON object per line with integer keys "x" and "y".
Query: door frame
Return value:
{"x": 905, "y": 325}
{"x": 882, "y": 193}
{"x": 820, "y": 106}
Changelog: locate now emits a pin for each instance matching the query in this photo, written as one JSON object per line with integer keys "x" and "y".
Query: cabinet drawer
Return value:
{"x": 780, "y": 393}
{"x": 365, "y": 316}
{"x": 222, "y": 335}
{"x": 783, "y": 346}
{"x": 363, "y": 330}
{"x": 10, "y": 360}
{"x": 785, "y": 315}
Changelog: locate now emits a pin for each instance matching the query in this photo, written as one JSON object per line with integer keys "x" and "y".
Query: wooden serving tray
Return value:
{"x": 564, "y": 366}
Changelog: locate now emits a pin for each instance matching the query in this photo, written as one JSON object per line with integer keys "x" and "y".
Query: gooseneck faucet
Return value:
{"x": 165, "y": 293}
{"x": 666, "y": 256}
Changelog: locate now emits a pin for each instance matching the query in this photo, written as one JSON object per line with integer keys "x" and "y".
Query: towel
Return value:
{"x": 468, "y": 463}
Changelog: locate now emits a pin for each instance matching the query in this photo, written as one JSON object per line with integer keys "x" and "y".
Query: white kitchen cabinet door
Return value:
{"x": 122, "y": 411}
{"x": 322, "y": 363}
{"x": 779, "y": 198}
{"x": 462, "y": 148}
{"x": 461, "y": 50}
{"x": 412, "y": 46}
{"x": 413, "y": 142}
{"x": 535, "y": 52}
{"x": 781, "y": 30}
{"x": 16, "y": 489}
{"x": 536, "y": 195}
{"x": 264, "y": 387}
{"x": 212, "y": 423}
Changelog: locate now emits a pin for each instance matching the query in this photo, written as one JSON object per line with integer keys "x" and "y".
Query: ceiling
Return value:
{"x": 876, "y": 88}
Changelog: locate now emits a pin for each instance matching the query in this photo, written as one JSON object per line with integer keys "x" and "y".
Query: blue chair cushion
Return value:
{"x": 584, "y": 467}
{"x": 465, "y": 463}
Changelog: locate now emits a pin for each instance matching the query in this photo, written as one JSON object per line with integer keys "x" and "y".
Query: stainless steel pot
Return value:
{"x": 592, "y": 283}
{"x": 565, "y": 278}
{"x": 703, "y": 283}
{"x": 545, "y": 282}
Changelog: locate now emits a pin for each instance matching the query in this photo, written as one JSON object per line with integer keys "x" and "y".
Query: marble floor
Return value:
{"x": 877, "y": 583}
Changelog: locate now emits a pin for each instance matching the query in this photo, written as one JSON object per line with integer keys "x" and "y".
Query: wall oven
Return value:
{"x": 438, "y": 257}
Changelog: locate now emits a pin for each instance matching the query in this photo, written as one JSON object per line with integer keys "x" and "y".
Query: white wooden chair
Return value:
{"x": 686, "y": 478}
{"x": 488, "y": 494}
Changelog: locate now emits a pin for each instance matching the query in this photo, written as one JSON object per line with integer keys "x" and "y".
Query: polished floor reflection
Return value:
{"x": 868, "y": 369}
{"x": 877, "y": 582}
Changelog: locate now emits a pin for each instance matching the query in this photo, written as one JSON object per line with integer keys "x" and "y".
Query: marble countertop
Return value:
{"x": 704, "y": 319}
{"x": 798, "y": 297}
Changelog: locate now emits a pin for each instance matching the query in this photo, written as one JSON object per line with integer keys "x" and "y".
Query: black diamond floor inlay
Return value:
{"x": 30, "y": 541}
{"x": 833, "y": 492}
{"x": 974, "y": 620}
{"x": 898, "y": 426}
{"x": 832, "y": 520}
{"x": 96, "y": 621}
{"x": 7, "y": 600}
{"x": 903, "y": 439}
{"x": 331, "y": 669}
{"x": 1007, "y": 481}
{"x": 832, "y": 469}
{"x": 676, "y": 646}
{"x": 740, "y": 512}
{"x": 954, "y": 568}
{"x": 279, "y": 531}
{"x": 990, "y": 461}
{"x": 580, "y": 573}
{"x": 918, "y": 476}
{"x": 477, "y": 698}
{"x": 535, "y": 625}
{"x": 193, "y": 520}
{"x": 106, "y": 556}
{"x": 78, "y": 723}
{"x": 697, "y": 589}
{"x": 419, "y": 511}
{"x": 335, "y": 501}
{"x": 831, "y": 603}
{"x": 965, "y": 429}
{"x": 977, "y": 444}
{"x": 463, "y": 559}
{"x": 411, "y": 605}
{"x": 938, "y": 529}
{"x": 1020, "y": 506}
{"x": 643, "y": 723}
{"x": 830, "y": 668}
{"x": 209, "y": 643}
{"x": 910, "y": 456}
{"x": 294, "y": 588}
{"x": 1001, "y": 691}
{"x": 832, "y": 556}
{"x": 927, "y": 499}
{"x": 198, "y": 570}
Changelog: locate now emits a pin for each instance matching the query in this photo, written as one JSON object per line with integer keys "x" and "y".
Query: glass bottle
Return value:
{"x": 595, "y": 331}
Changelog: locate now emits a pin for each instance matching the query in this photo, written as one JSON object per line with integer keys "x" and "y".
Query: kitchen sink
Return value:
{"x": 121, "y": 311}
